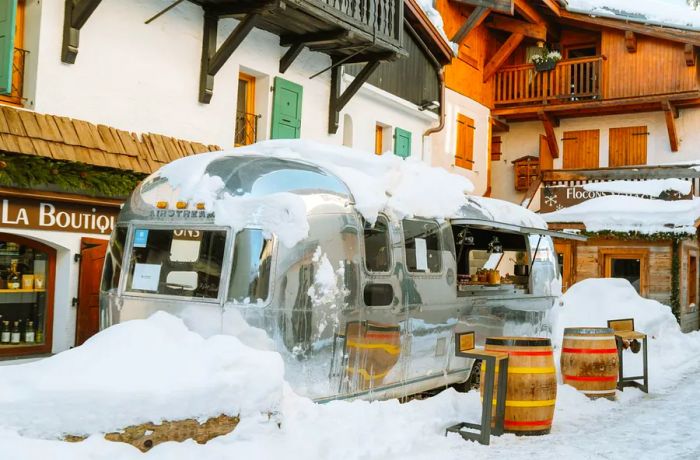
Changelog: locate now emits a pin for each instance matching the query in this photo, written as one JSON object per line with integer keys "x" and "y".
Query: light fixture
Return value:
{"x": 162, "y": 204}
{"x": 465, "y": 237}
{"x": 495, "y": 246}
{"x": 429, "y": 105}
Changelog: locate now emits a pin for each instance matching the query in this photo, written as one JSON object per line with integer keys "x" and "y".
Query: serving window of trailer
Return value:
{"x": 176, "y": 262}
{"x": 488, "y": 257}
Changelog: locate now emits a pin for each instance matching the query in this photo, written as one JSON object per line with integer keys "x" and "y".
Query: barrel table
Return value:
{"x": 532, "y": 383}
{"x": 589, "y": 361}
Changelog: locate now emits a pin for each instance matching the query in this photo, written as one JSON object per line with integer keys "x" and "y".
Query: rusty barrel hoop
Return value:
{"x": 532, "y": 383}
{"x": 589, "y": 361}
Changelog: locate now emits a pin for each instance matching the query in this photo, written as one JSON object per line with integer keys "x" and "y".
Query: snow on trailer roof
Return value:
{"x": 666, "y": 13}
{"x": 386, "y": 183}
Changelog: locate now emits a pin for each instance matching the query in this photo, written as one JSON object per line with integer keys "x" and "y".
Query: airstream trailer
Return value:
{"x": 356, "y": 309}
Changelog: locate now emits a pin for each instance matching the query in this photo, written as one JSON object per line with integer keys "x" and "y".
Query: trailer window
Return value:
{"x": 176, "y": 262}
{"x": 252, "y": 259}
{"x": 113, "y": 259}
{"x": 377, "y": 245}
{"x": 422, "y": 240}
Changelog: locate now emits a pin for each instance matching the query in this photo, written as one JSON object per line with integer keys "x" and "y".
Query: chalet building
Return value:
{"x": 579, "y": 96}
{"x": 86, "y": 83}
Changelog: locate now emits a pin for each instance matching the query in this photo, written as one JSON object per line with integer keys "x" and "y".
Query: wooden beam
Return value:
{"x": 502, "y": 54}
{"x": 630, "y": 41}
{"x": 549, "y": 122}
{"x": 536, "y": 31}
{"x": 499, "y": 126}
{"x": 338, "y": 100}
{"x": 213, "y": 59}
{"x": 666, "y": 33}
{"x": 319, "y": 38}
{"x": 292, "y": 53}
{"x": 689, "y": 53}
{"x": 502, "y": 6}
{"x": 76, "y": 14}
{"x": 472, "y": 22}
{"x": 553, "y": 6}
{"x": 671, "y": 124}
{"x": 528, "y": 11}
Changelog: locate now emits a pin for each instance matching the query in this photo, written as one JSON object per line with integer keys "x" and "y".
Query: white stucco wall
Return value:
{"x": 145, "y": 78}
{"x": 444, "y": 142}
{"x": 523, "y": 139}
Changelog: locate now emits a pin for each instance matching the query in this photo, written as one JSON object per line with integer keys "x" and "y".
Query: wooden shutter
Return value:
{"x": 286, "y": 110}
{"x": 628, "y": 146}
{"x": 8, "y": 12}
{"x": 464, "y": 151}
{"x": 581, "y": 149}
{"x": 402, "y": 143}
{"x": 378, "y": 139}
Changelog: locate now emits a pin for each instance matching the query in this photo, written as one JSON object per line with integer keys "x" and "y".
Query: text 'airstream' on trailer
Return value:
{"x": 356, "y": 308}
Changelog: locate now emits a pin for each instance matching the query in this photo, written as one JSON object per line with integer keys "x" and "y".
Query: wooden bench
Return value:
{"x": 465, "y": 348}
{"x": 625, "y": 333}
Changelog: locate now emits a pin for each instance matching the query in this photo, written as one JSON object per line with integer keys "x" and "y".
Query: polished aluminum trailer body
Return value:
{"x": 386, "y": 330}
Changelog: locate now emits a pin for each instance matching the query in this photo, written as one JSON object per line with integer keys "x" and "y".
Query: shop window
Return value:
{"x": 252, "y": 262}
{"x": 377, "y": 245}
{"x": 422, "y": 244}
{"x": 12, "y": 52}
{"x": 161, "y": 263}
{"x": 26, "y": 296}
{"x": 246, "y": 118}
{"x": 464, "y": 150}
{"x": 378, "y": 295}
{"x": 630, "y": 264}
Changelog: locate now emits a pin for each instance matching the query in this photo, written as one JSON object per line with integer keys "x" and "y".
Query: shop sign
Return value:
{"x": 57, "y": 216}
{"x": 556, "y": 197}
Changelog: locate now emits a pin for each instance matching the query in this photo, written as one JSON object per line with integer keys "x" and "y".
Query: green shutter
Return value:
{"x": 402, "y": 143}
{"x": 8, "y": 11}
{"x": 286, "y": 110}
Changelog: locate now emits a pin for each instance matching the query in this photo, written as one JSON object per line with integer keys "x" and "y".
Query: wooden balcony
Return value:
{"x": 571, "y": 81}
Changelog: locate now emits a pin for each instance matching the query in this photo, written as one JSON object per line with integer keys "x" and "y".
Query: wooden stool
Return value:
{"x": 464, "y": 348}
{"x": 624, "y": 331}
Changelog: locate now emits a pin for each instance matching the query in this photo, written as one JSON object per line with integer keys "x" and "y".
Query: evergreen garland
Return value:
{"x": 24, "y": 171}
{"x": 626, "y": 236}
{"x": 675, "y": 279}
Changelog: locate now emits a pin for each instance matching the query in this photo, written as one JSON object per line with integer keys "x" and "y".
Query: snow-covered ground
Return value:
{"x": 136, "y": 370}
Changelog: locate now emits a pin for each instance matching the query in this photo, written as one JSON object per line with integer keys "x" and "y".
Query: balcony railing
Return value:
{"x": 246, "y": 128}
{"x": 17, "y": 91}
{"x": 572, "y": 80}
{"x": 381, "y": 16}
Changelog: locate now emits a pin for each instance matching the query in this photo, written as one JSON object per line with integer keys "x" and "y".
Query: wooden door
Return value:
{"x": 565, "y": 256}
{"x": 581, "y": 149}
{"x": 286, "y": 110}
{"x": 692, "y": 278}
{"x": 628, "y": 146}
{"x": 92, "y": 257}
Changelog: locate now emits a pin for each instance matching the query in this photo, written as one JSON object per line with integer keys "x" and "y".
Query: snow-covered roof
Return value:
{"x": 666, "y": 13}
{"x": 631, "y": 214}
{"x": 652, "y": 187}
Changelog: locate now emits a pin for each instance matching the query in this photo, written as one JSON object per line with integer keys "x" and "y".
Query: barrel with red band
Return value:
{"x": 589, "y": 361}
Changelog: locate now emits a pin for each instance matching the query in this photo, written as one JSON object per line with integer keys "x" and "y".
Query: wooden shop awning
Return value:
{"x": 66, "y": 139}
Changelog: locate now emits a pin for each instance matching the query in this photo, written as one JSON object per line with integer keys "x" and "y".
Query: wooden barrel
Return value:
{"x": 532, "y": 383}
{"x": 589, "y": 361}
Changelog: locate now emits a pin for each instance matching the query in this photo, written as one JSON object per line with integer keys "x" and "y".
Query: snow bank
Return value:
{"x": 663, "y": 12}
{"x": 135, "y": 372}
{"x": 631, "y": 214}
{"x": 592, "y": 302}
{"x": 653, "y": 187}
{"x": 436, "y": 19}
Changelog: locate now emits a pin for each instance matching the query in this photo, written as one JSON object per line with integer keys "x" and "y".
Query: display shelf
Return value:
{"x": 13, "y": 291}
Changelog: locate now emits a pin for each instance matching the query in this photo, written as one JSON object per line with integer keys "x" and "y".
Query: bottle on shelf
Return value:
{"x": 13, "y": 279}
{"x": 29, "y": 334}
{"x": 15, "y": 335}
{"x": 5, "y": 332}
